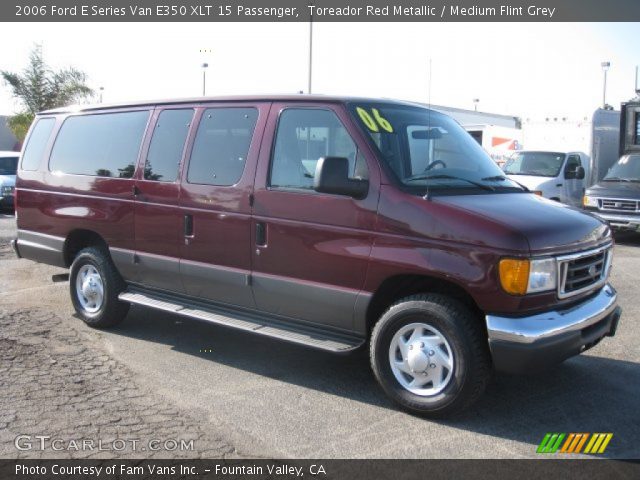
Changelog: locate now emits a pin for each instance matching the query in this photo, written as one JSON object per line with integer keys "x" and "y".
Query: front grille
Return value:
{"x": 618, "y": 205}
{"x": 583, "y": 271}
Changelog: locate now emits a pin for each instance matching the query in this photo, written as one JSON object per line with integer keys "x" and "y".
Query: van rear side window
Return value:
{"x": 37, "y": 143}
{"x": 167, "y": 144}
{"x": 104, "y": 145}
{"x": 221, "y": 146}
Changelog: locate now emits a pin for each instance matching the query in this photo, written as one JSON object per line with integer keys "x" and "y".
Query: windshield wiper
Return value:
{"x": 501, "y": 178}
{"x": 443, "y": 176}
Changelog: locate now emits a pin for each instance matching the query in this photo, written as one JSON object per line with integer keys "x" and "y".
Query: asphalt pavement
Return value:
{"x": 273, "y": 399}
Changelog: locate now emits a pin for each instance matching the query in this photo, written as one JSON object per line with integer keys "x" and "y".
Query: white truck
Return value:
{"x": 554, "y": 148}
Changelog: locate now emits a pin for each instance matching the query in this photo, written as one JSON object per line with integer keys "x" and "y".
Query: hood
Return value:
{"x": 532, "y": 182}
{"x": 548, "y": 226}
{"x": 8, "y": 180}
{"x": 630, "y": 190}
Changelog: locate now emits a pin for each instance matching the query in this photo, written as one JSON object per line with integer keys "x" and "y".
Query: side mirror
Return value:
{"x": 577, "y": 173}
{"x": 332, "y": 176}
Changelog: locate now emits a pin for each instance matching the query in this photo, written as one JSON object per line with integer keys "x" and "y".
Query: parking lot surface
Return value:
{"x": 246, "y": 395}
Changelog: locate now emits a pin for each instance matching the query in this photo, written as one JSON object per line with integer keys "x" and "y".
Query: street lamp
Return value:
{"x": 310, "y": 49}
{"x": 605, "y": 67}
{"x": 204, "y": 78}
{"x": 476, "y": 101}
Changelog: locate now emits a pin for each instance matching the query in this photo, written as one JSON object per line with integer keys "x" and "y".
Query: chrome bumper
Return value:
{"x": 536, "y": 342}
{"x": 620, "y": 219}
{"x": 557, "y": 322}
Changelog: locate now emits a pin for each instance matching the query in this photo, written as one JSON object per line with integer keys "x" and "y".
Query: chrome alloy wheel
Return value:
{"x": 421, "y": 359}
{"x": 89, "y": 288}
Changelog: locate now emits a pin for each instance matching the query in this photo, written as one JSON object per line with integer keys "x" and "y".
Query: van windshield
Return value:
{"x": 625, "y": 169}
{"x": 8, "y": 165}
{"x": 539, "y": 164}
{"x": 427, "y": 150}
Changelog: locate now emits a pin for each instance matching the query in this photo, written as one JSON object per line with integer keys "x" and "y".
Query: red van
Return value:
{"x": 329, "y": 222}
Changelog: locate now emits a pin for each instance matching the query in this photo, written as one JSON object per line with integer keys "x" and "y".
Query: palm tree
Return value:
{"x": 40, "y": 88}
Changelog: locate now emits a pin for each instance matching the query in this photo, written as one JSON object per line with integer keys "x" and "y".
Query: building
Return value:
{"x": 499, "y": 135}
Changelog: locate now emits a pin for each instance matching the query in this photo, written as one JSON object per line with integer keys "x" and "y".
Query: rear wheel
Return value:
{"x": 94, "y": 286}
{"x": 430, "y": 355}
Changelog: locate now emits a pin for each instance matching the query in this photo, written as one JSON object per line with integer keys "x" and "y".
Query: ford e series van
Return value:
{"x": 334, "y": 223}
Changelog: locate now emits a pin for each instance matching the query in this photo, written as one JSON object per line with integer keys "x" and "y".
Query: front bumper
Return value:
{"x": 533, "y": 343}
{"x": 620, "y": 220}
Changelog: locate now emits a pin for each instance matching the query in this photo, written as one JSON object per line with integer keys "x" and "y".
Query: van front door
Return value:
{"x": 158, "y": 220}
{"x": 573, "y": 187}
{"x": 215, "y": 202}
{"x": 311, "y": 250}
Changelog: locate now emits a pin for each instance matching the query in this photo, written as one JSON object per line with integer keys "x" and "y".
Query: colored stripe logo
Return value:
{"x": 596, "y": 443}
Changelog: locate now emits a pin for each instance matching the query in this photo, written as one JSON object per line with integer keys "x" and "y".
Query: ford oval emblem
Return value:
{"x": 593, "y": 270}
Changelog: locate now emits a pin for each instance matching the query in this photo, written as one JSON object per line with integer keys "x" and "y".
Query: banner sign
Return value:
{"x": 320, "y": 11}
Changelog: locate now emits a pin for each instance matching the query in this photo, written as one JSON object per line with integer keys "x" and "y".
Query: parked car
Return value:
{"x": 616, "y": 198}
{"x": 8, "y": 167}
{"x": 335, "y": 223}
{"x": 555, "y": 175}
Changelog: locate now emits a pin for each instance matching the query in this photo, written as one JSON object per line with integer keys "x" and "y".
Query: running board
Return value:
{"x": 248, "y": 321}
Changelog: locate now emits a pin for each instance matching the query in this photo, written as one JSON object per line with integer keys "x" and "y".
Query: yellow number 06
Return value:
{"x": 372, "y": 123}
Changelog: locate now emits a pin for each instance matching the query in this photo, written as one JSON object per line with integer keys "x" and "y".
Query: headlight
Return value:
{"x": 522, "y": 276}
{"x": 588, "y": 201}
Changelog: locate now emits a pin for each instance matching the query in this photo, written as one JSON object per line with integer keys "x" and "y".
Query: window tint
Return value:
{"x": 573, "y": 162}
{"x": 221, "y": 146}
{"x": 8, "y": 165}
{"x": 167, "y": 144}
{"x": 37, "y": 143}
{"x": 104, "y": 145}
{"x": 303, "y": 137}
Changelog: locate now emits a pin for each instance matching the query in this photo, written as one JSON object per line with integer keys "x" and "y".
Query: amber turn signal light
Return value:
{"x": 514, "y": 275}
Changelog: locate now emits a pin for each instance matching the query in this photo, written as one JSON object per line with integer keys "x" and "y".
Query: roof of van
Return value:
{"x": 239, "y": 98}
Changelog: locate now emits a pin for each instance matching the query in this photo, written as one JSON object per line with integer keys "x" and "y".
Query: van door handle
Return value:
{"x": 188, "y": 226}
{"x": 261, "y": 234}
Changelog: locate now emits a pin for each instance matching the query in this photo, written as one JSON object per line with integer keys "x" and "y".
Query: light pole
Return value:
{"x": 101, "y": 90}
{"x": 310, "y": 49}
{"x": 204, "y": 78}
{"x": 605, "y": 67}
{"x": 476, "y": 101}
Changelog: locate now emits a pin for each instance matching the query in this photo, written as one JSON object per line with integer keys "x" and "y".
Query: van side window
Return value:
{"x": 37, "y": 143}
{"x": 167, "y": 144}
{"x": 221, "y": 146}
{"x": 303, "y": 137}
{"x": 573, "y": 162}
{"x": 103, "y": 145}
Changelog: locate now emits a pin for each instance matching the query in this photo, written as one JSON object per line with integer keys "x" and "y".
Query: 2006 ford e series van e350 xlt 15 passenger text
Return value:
{"x": 329, "y": 222}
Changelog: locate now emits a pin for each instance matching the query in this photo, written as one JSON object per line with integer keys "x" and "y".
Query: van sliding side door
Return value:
{"x": 158, "y": 219}
{"x": 217, "y": 183}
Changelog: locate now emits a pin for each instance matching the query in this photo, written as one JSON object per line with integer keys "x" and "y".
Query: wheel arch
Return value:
{"x": 399, "y": 286}
{"x": 79, "y": 239}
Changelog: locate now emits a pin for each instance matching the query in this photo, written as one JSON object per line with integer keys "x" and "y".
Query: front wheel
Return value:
{"x": 94, "y": 286}
{"x": 430, "y": 355}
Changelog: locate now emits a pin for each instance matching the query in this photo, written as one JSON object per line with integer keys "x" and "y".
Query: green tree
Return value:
{"x": 39, "y": 88}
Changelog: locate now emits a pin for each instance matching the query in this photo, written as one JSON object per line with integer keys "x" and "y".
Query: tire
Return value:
{"x": 97, "y": 310}
{"x": 452, "y": 352}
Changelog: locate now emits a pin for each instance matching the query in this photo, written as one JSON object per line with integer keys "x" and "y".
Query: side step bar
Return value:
{"x": 252, "y": 322}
